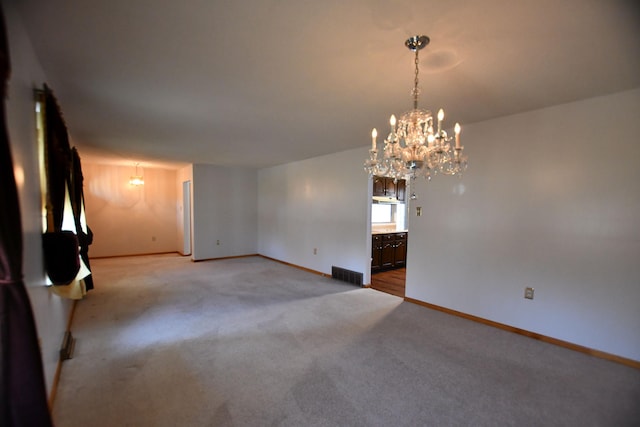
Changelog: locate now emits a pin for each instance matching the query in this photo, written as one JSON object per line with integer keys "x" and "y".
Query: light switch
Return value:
{"x": 418, "y": 210}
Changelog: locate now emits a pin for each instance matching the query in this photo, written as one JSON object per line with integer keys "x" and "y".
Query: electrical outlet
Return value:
{"x": 153, "y": 238}
{"x": 418, "y": 210}
{"x": 218, "y": 242}
{"x": 315, "y": 251}
{"x": 528, "y": 293}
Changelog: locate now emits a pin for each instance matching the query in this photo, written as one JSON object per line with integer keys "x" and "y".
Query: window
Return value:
{"x": 381, "y": 213}
{"x": 39, "y": 106}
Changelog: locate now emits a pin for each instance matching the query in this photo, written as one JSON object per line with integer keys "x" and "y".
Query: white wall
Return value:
{"x": 551, "y": 200}
{"x": 225, "y": 210}
{"x": 322, "y": 203}
{"x": 127, "y": 219}
{"x": 51, "y": 312}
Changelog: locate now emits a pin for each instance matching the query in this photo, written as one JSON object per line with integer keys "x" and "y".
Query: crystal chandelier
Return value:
{"x": 416, "y": 146}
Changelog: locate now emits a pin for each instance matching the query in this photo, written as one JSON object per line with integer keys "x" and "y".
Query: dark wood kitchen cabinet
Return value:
{"x": 401, "y": 188}
{"x": 388, "y": 251}
{"x": 376, "y": 253}
{"x": 379, "y": 186}
{"x": 400, "y": 250}
{"x": 388, "y": 187}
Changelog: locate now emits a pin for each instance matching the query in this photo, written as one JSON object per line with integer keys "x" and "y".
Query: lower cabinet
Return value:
{"x": 400, "y": 253}
{"x": 376, "y": 253}
{"x": 388, "y": 251}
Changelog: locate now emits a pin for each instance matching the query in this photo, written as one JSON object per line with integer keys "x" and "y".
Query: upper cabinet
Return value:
{"x": 388, "y": 187}
{"x": 379, "y": 186}
{"x": 401, "y": 187}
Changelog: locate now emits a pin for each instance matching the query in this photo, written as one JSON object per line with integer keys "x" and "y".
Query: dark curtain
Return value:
{"x": 23, "y": 397}
{"x": 58, "y": 160}
{"x": 77, "y": 204}
{"x": 64, "y": 172}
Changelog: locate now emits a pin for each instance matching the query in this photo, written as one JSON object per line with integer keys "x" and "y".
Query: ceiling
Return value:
{"x": 257, "y": 83}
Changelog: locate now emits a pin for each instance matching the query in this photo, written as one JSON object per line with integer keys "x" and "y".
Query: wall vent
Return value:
{"x": 345, "y": 275}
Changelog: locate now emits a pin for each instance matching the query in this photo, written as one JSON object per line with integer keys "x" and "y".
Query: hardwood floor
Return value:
{"x": 391, "y": 282}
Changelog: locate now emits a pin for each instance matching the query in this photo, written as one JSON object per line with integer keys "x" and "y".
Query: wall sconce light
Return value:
{"x": 136, "y": 179}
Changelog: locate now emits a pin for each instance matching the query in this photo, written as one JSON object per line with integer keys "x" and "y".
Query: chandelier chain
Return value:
{"x": 416, "y": 90}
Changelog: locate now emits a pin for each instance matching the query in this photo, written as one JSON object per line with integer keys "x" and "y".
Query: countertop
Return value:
{"x": 389, "y": 231}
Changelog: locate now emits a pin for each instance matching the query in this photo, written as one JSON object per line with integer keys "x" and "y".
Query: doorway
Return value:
{"x": 389, "y": 231}
{"x": 186, "y": 217}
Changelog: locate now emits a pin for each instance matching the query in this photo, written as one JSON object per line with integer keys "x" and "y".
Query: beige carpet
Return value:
{"x": 163, "y": 341}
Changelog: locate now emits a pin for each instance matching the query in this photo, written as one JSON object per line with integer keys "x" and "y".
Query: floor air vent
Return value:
{"x": 345, "y": 275}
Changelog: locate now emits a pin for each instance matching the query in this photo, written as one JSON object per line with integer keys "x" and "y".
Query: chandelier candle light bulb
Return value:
{"x": 374, "y": 135}
{"x": 413, "y": 148}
